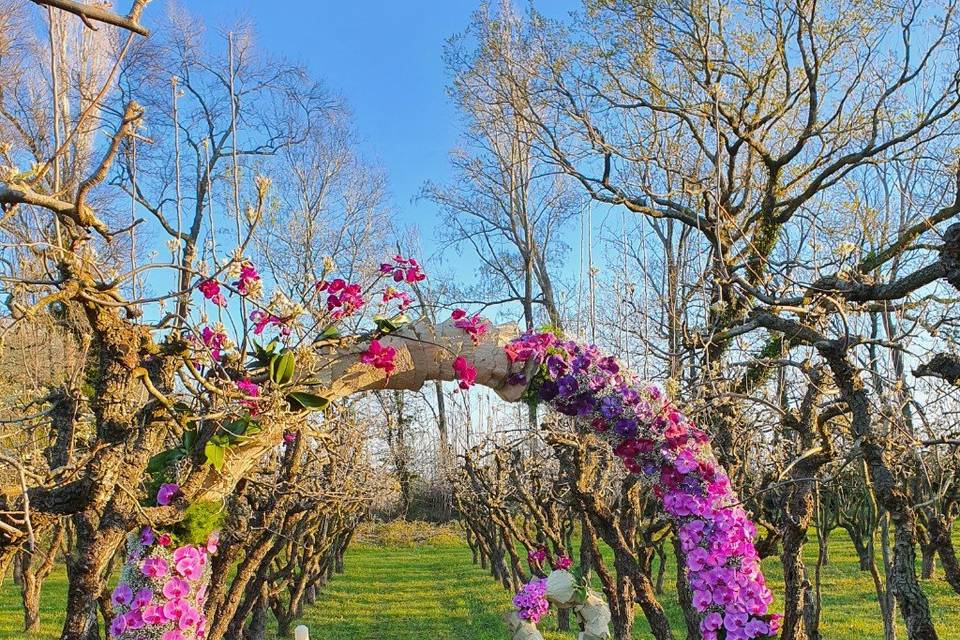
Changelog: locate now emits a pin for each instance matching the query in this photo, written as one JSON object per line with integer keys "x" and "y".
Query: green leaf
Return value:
{"x": 386, "y": 325}
{"x": 237, "y": 427}
{"x": 160, "y": 462}
{"x": 282, "y": 366}
{"x": 307, "y": 400}
{"x": 214, "y": 454}
{"x": 264, "y": 354}
{"x": 328, "y": 334}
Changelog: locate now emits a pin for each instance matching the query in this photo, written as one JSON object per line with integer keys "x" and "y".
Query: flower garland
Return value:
{"x": 656, "y": 441}
{"x": 162, "y": 589}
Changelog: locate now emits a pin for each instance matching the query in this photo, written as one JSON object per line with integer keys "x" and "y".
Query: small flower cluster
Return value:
{"x": 211, "y": 291}
{"x": 162, "y": 591}
{"x": 657, "y": 441}
{"x": 564, "y": 563}
{"x": 531, "y": 601}
{"x": 252, "y": 390}
{"x": 248, "y": 280}
{"x": 215, "y": 340}
{"x": 536, "y": 556}
{"x": 381, "y": 357}
{"x": 391, "y": 293}
{"x": 403, "y": 270}
{"x": 343, "y": 299}
{"x": 465, "y": 372}
{"x": 475, "y": 326}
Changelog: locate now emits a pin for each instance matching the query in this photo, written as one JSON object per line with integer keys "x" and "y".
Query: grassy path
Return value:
{"x": 434, "y": 592}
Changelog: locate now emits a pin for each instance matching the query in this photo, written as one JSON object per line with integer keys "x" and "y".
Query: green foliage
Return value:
{"x": 282, "y": 367}
{"x": 388, "y": 325}
{"x": 303, "y": 400}
{"x": 201, "y": 518}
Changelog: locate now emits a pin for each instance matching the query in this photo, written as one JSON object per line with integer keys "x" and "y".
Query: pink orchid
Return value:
{"x": 167, "y": 493}
{"x": 154, "y": 567}
{"x": 393, "y": 294}
{"x": 466, "y": 373}
{"x": 248, "y": 278}
{"x": 403, "y": 270}
{"x": 173, "y": 609}
{"x": 122, "y": 595}
{"x": 262, "y": 319}
{"x": 189, "y": 618}
{"x": 215, "y": 341}
{"x": 213, "y": 542}
{"x": 175, "y": 588}
{"x": 153, "y": 614}
{"x": 343, "y": 299}
{"x": 380, "y": 357}
{"x": 475, "y": 326}
{"x": 133, "y": 619}
{"x": 211, "y": 291}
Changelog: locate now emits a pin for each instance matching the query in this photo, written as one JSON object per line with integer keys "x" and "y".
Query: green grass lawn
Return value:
{"x": 434, "y": 592}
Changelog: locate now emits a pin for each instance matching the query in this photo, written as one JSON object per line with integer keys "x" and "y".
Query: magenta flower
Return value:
{"x": 133, "y": 619}
{"x": 122, "y": 595}
{"x": 211, "y": 291}
{"x": 466, "y": 373}
{"x": 153, "y": 614}
{"x": 262, "y": 319}
{"x": 173, "y": 609}
{"x": 215, "y": 341}
{"x": 403, "y": 270}
{"x": 173, "y": 634}
{"x": 380, "y": 357}
{"x": 190, "y": 568}
{"x": 475, "y": 326}
{"x": 164, "y": 540}
{"x": 142, "y": 598}
{"x": 343, "y": 299}
{"x": 252, "y": 390}
{"x": 154, "y": 567}
{"x": 175, "y": 588}
{"x": 213, "y": 543}
{"x": 167, "y": 493}
{"x": 564, "y": 563}
{"x": 189, "y": 618}
{"x": 249, "y": 279}
{"x": 118, "y": 626}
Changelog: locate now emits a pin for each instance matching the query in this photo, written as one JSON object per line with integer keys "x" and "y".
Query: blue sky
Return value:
{"x": 385, "y": 59}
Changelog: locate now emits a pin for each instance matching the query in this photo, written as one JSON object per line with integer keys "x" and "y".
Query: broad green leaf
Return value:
{"x": 214, "y": 454}
{"x": 307, "y": 400}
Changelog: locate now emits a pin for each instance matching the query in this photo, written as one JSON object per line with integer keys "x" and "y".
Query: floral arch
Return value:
{"x": 657, "y": 442}
{"x": 163, "y": 585}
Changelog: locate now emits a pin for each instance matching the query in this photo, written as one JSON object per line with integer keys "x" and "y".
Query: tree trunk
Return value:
{"x": 95, "y": 546}
{"x": 940, "y": 537}
{"x": 913, "y": 603}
